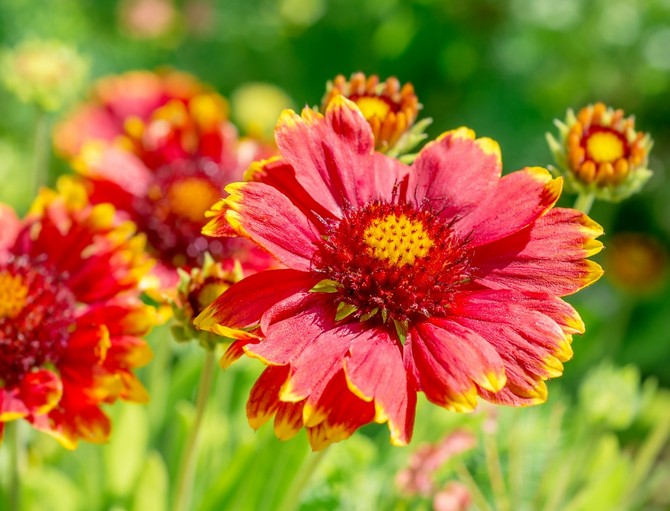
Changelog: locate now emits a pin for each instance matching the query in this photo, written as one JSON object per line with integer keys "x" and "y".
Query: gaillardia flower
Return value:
{"x": 599, "y": 152}
{"x": 390, "y": 109}
{"x": 441, "y": 277}
{"x": 171, "y": 153}
{"x": 70, "y": 316}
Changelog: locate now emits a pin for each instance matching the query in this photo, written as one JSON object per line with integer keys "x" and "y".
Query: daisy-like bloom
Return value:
{"x": 637, "y": 262}
{"x": 599, "y": 152}
{"x": 390, "y": 109}
{"x": 70, "y": 316}
{"x": 168, "y": 161}
{"x": 441, "y": 277}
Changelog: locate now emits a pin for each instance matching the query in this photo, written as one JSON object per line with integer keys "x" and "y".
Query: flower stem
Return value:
{"x": 292, "y": 497}
{"x": 475, "y": 492}
{"x": 187, "y": 467}
{"x": 41, "y": 151}
{"x": 14, "y": 443}
{"x": 584, "y": 202}
{"x": 495, "y": 472}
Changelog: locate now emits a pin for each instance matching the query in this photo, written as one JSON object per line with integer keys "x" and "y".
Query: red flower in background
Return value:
{"x": 442, "y": 277}
{"x": 159, "y": 147}
{"x": 70, "y": 315}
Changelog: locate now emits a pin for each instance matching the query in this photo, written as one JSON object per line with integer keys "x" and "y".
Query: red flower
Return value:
{"x": 70, "y": 316}
{"x": 442, "y": 277}
{"x": 160, "y": 148}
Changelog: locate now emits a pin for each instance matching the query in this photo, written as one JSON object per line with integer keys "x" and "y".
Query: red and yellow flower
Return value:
{"x": 391, "y": 110}
{"x": 70, "y": 316}
{"x": 160, "y": 148}
{"x": 441, "y": 277}
{"x": 599, "y": 152}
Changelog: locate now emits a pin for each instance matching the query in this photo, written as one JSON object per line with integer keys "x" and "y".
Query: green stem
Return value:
{"x": 187, "y": 467}
{"x": 292, "y": 497}
{"x": 14, "y": 443}
{"x": 41, "y": 151}
{"x": 584, "y": 202}
{"x": 495, "y": 472}
{"x": 466, "y": 478}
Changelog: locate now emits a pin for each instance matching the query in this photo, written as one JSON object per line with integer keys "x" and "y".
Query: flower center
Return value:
{"x": 34, "y": 320}
{"x": 192, "y": 197}
{"x": 393, "y": 261}
{"x": 13, "y": 295}
{"x": 605, "y": 146}
{"x": 398, "y": 240}
{"x": 372, "y": 106}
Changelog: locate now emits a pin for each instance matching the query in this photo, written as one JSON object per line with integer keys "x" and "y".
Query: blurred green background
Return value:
{"x": 504, "y": 68}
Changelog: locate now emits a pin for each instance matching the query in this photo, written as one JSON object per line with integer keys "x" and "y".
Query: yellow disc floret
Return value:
{"x": 191, "y": 197}
{"x": 373, "y": 107}
{"x": 605, "y": 146}
{"x": 397, "y": 239}
{"x": 13, "y": 294}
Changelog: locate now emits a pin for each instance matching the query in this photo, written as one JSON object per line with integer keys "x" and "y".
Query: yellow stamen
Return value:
{"x": 604, "y": 146}
{"x": 397, "y": 240}
{"x": 13, "y": 295}
{"x": 192, "y": 197}
{"x": 373, "y": 107}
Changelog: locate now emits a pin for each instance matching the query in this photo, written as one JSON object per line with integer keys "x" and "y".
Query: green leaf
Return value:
{"x": 401, "y": 328}
{"x": 370, "y": 314}
{"x": 326, "y": 286}
{"x": 344, "y": 309}
{"x": 152, "y": 486}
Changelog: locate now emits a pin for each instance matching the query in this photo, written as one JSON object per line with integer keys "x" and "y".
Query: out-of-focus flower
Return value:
{"x": 636, "y": 262}
{"x": 45, "y": 73}
{"x": 70, "y": 316}
{"x": 161, "y": 149}
{"x": 454, "y": 496}
{"x": 442, "y": 277}
{"x": 390, "y": 109}
{"x": 147, "y": 19}
{"x": 256, "y": 107}
{"x": 599, "y": 152}
{"x": 418, "y": 477}
{"x": 195, "y": 292}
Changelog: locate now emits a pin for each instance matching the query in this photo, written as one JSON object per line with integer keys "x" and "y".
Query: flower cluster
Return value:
{"x": 159, "y": 147}
{"x": 440, "y": 277}
{"x": 71, "y": 320}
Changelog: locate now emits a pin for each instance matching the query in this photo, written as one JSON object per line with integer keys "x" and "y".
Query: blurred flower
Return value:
{"x": 390, "y": 109}
{"x": 70, "y": 316}
{"x": 636, "y": 262}
{"x": 256, "y": 107}
{"x": 417, "y": 477}
{"x": 147, "y": 19}
{"x": 453, "y": 497}
{"x": 45, "y": 73}
{"x": 441, "y": 277}
{"x": 161, "y": 149}
{"x": 195, "y": 292}
{"x": 599, "y": 152}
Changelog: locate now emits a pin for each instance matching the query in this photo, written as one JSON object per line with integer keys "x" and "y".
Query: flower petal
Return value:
{"x": 548, "y": 256}
{"x": 41, "y": 391}
{"x": 375, "y": 372}
{"x": 268, "y": 218}
{"x": 258, "y": 292}
{"x": 457, "y": 171}
{"x": 451, "y": 361}
{"x": 519, "y": 199}
{"x": 9, "y": 229}
{"x": 531, "y": 343}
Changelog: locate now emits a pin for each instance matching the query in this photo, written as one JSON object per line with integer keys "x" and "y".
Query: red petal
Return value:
{"x": 41, "y": 391}
{"x": 268, "y": 218}
{"x": 519, "y": 199}
{"x": 451, "y": 361}
{"x": 375, "y": 371}
{"x": 457, "y": 171}
{"x": 549, "y": 256}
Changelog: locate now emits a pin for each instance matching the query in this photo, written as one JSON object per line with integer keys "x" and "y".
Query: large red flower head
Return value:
{"x": 163, "y": 158}
{"x": 441, "y": 277}
{"x": 70, "y": 315}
